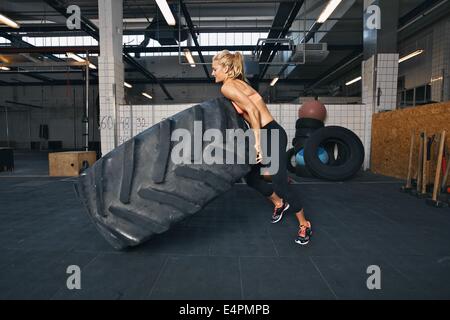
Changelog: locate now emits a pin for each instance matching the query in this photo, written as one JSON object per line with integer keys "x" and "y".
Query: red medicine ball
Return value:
{"x": 313, "y": 109}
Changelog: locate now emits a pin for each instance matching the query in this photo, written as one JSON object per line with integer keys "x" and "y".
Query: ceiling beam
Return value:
{"x": 352, "y": 59}
{"x": 63, "y": 82}
{"x": 296, "y": 8}
{"x": 339, "y": 13}
{"x": 279, "y": 21}
{"x": 194, "y": 36}
{"x": 131, "y": 49}
{"x": 93, "y": 31}
{"x": 17, "y": 41}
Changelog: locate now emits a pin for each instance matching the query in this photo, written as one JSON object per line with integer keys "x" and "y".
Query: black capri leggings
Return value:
{"x": 279, "y": 180}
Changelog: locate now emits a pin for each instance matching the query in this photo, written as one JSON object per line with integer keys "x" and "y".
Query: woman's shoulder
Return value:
{"x": 239, "y": 85}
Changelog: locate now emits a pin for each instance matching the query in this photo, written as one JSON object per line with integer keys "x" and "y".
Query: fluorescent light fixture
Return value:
{"x": 74, "y": 57}
{"x": 35, "y": 21}
{"x": 328, "y": 10}
{"x": 410, "y": 55}
{"x": 9, "y": 22}
{"x": 4, "y": 68}
{"x": 436, "y": 79}
{"x": 126, "y": 84}
{"x": 189, "y": 57}
{"x": 79, "y": 59}
{"x": 167, "y": 13}
{"x": 352, "y": 81}
{"x": 274, "y": 81}
{"x": 4, "y": 59}
{"x": 147, "y": 95}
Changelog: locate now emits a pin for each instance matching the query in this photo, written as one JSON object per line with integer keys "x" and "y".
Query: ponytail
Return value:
{"x": 234, "y": 62}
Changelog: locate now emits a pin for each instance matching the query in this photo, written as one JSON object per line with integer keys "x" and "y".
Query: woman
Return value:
{"x": 227, "y": 68}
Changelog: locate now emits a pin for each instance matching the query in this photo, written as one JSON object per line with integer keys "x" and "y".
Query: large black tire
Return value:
{"x": 304, "y": 132}
{"x": 290, "y": 155}
{"x": 299, "y": 143}
{"x": 136, "y": 191}
{"x": 308, "y": 123}
{"x": 301, "y": 135}
{"x": 346, "y": 165}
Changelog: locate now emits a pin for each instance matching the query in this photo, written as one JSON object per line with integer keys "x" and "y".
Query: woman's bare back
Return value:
{"x": 257, "y": 100}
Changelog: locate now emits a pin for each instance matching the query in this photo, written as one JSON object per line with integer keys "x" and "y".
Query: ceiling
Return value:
{"x": 343, "y": 32}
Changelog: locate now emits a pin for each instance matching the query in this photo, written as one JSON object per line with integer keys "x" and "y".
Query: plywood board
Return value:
{"x": 68, "y": 164}
{"x": 391, "y": 136}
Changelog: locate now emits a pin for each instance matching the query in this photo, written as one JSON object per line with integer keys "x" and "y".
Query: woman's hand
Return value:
{"x": 258, "y": 153}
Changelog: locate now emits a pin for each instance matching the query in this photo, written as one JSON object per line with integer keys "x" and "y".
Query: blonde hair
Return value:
{"x": 234, "y": 62}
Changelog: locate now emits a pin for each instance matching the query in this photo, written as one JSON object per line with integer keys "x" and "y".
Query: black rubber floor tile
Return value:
{"x": 194, "y": 278}
{"x": 179, "y": 240}
{"x": 282, "y": 279}
{"x": 39, "y": 274}
{"x": 116, "y": 276}
{"x": 349, "y": 278}
{"x": 429, "y": 274}
{"x": 241, "y": 242}
{"x": 320, "y": 243}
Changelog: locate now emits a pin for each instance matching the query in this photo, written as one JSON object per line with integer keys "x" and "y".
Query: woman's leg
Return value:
{"x": 255, "y": 181}
{"x": 281, "y": 190}
{"x": 280, "y": 178}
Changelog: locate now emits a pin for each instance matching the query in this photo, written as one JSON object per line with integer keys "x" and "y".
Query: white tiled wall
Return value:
{"x": 379, "y": 91}
{"x": 387, "y": 75}
{"x": 332, "y": 100}
{"x": 368, "y": 99}
{"x": 141, "y": 117}
{"x": 348, "y": 116}
{"x": 351, "y": 116}
{"x": 111, "y": 72}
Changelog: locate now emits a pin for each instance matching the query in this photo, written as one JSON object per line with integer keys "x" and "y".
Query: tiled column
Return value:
{"x": 380, "y": 68}
{"x": 440, "y": 69}
{"x": 111, "y": 73}
{"x": 386, "y": 84}
{"x": 368, "y": 99}
{"x": 380, "y": 20}
{"x": 379, "y": 91}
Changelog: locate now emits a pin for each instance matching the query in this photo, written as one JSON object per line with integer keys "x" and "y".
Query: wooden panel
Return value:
{"x": 68, "y": 164}
{"x": 391, "y": 134}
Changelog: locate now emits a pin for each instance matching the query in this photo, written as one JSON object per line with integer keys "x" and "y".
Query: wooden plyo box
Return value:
{"x": 68, "y": 164}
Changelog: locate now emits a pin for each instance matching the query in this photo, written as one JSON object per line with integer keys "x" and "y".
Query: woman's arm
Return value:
{"x": 253, "y": 115}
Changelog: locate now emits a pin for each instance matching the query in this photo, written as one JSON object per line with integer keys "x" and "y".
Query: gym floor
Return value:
{"x": 229, "y": 250}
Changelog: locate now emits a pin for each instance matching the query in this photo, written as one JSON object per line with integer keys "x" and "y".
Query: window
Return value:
{"x": 420, "y": 95}
{"x": 409, "y": 97}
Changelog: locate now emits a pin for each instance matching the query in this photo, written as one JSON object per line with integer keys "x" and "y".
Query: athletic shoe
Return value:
{"x": 278, "y": 212}
{"x": 304, "y": 234}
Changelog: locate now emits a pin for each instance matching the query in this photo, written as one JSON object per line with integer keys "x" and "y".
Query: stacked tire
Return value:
{"x": 304, "y": 128}
{"x": 344, "y": 151}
